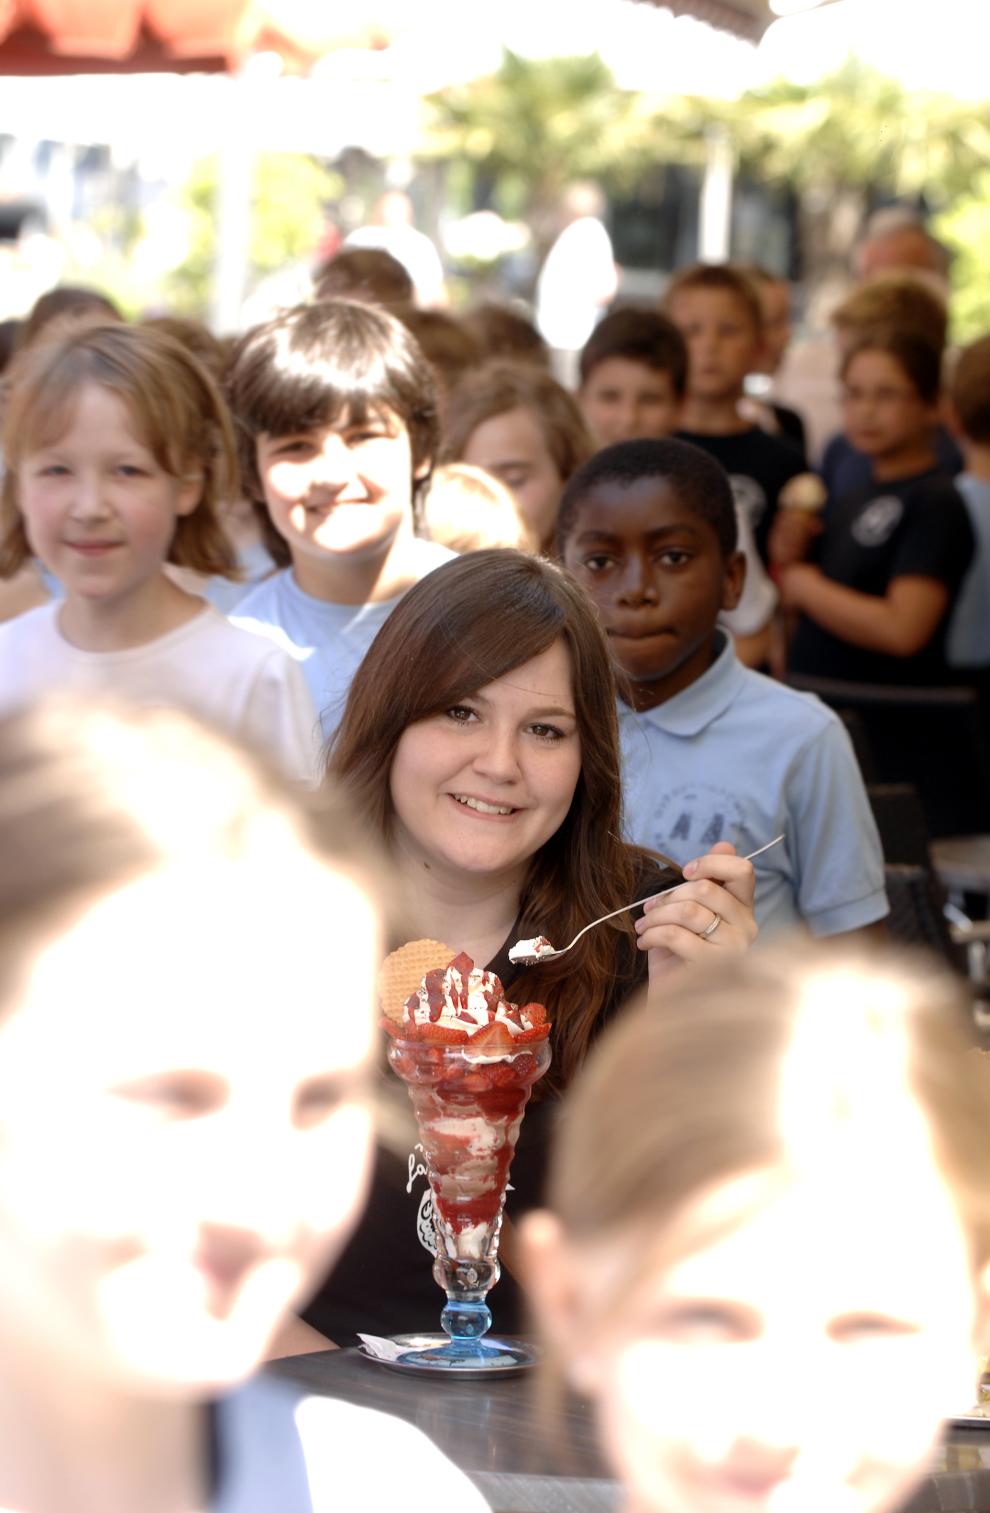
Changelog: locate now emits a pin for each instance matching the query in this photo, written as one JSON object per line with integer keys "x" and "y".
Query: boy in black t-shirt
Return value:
{"x": 719, "y": 313}
{"x": 875, "y": 601}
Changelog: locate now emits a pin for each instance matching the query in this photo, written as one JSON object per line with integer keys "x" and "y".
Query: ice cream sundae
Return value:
{"x": 469, "y": 1059}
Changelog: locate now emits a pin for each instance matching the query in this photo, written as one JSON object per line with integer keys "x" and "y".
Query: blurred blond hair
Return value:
{"x": 467, "y": 509}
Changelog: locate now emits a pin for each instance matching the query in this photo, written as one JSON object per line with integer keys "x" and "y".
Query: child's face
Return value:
{"x": 513, "y": 447}
{"x": 802, "y": 1361}
{"x": 183, "y": 1125}
{"x": 624, "y": 400}
{"x": 341, "y": 490}
{"x": 478, "y": 789}
{"x": 658, "y": 578}
{"x": 723, "y": 342}
{"x": 885, "y": 416}
{"x": 98, "y": 509}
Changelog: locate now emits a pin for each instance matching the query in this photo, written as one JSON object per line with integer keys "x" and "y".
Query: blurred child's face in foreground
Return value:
{"x": 342, "y": 490}
{"x": 885, "y": 416}
{"x": 99, "y": 510}
{"x": 658, "y": 578}
{"x": 624, "y": 400}
{"x": 799, "y": 1357}
{"x": 183, "y": 1127}
{"x": 723, "y": 341}
{"x": 513, "y": 447}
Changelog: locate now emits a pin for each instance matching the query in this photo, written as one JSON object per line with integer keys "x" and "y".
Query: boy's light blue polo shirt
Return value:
{"x": 738, "y": 757}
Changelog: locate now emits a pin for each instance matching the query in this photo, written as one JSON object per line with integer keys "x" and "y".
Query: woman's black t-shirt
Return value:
{"x": 383, "y": 1283}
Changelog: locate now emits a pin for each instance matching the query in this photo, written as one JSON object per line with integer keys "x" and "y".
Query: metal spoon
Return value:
{"x": 522, "y": 958}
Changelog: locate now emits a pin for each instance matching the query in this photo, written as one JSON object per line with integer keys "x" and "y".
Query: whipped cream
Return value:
{"x": 530, "y": 950}
{"x": 463, "y": 997}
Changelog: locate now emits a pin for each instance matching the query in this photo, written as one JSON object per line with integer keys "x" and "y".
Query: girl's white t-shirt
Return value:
{"x": 240, "y": 682}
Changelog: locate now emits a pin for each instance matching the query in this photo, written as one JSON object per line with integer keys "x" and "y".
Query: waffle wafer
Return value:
{"x": 402, "y": 972}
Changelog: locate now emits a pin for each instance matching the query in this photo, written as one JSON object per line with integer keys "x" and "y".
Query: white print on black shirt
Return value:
{"x": 693, "y": 817}
{"x": 425, "y": 1232}
{"x": 875, "y": 524}
{"x": 749, "y": 497}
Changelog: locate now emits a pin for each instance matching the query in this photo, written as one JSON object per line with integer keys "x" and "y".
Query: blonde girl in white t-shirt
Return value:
{"x": 118, "y": 452}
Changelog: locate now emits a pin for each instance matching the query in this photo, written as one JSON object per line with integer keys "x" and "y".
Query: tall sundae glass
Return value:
{"x": 469, "y": 1061}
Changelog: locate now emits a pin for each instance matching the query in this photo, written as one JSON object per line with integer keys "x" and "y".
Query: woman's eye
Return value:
{"x": 597, "y": 563}
{"x": 548, "y": 733}
{"x": 359, "y": 438}
{"x": 294, "y": 448}
{"x": 130, "y": 470}
{"x": 460, "y": 714}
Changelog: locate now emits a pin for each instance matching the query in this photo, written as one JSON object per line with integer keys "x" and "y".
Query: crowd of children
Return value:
{"x": 530, "y": 648}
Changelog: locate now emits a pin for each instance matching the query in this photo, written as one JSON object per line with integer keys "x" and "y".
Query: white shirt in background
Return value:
{"x": 239, "y": 682}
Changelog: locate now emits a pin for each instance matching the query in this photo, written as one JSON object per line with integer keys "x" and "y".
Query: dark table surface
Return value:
{"x": 496, "y": 1433}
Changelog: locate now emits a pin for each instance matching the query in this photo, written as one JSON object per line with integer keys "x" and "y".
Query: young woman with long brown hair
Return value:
{"x": 480, "y": 741}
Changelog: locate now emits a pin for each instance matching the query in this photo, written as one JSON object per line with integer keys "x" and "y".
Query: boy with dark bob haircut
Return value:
{"x": 720, "y": 316}
{"x": 633, "y": 371}
{"x": 711, "y": 750}
{"x": 336, "y": 415}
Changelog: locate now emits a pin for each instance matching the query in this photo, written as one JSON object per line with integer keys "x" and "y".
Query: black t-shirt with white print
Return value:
{"x": 758, "y": 466}
{"x": 911, "y": 527}
{"x": 383, "y": 1283}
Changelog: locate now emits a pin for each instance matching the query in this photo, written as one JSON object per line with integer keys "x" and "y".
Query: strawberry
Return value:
{"x": 534, "y": 1012}
{"x": 439, "y": 1034}
{"x": 538, "y": 1032}
{"x": 495, "y": 1037}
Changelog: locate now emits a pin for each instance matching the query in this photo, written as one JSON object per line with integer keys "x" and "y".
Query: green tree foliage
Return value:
{"x": 291, "y": 196}
{"x": 965, "y": 229}
{"x": 534, "y": 126}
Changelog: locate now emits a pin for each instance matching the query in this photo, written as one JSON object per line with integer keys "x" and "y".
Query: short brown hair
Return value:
{"x": 85, "y": 790}
{"x": 920, "y": 359}
{"x": 196, "y": 337}
{"x": 364, "y": 273}
{"x": 722, "y": 277}
{"x": 446, "y": 341}
{"x": 905, "y": 299}
{"x": 505, "y": 332}
{"x": 639, "y": 335}
{"x": 173, "y": 402}
{"x": 674, "y": 1103}
{"x": 499, "y": 387}
{"x": 970, "y": 390}
{"x": 313, "y": 363}
{"x": 63, "y": 301}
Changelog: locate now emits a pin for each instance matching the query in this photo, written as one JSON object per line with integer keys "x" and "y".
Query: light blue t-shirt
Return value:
{"x": 738, "y": 757}
{"x": 968, "y": 641}
{"x": 327, "y": 640}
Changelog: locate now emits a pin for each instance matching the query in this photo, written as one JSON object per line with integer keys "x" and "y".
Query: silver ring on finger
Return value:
{"x": 707, "y": 934}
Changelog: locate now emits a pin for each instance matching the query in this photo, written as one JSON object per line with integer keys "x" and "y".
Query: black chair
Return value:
{"x": 933, "y": 738}
{"x": 901, "y": 822}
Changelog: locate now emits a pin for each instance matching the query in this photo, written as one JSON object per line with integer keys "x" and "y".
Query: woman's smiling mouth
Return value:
{"x": 483, "y": 806}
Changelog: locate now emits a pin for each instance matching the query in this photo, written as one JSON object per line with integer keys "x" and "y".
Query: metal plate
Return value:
{"x": 413, "y": 1342}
